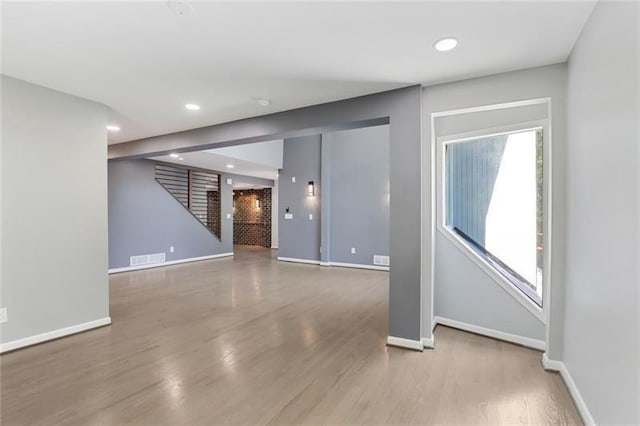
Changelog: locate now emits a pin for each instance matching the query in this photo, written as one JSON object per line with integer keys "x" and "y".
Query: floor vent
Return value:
{"x": 380, "y": 260}
{"x": 147, "y": 259}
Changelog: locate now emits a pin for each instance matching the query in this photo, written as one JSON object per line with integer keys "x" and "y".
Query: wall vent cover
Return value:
{"x": 147, "y": 259}
{"x": 380, "y": 260}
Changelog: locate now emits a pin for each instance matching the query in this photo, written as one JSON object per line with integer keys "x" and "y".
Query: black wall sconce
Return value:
{"x": 311, "y": 191}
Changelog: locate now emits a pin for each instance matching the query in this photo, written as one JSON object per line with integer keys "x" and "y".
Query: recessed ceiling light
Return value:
{"x": 230, "y": 166}
{"x": 113, "y": 128}
{"x": 445, "y": 44}
{"x": 174, "y": 155}
{"x": 192, "y": 107}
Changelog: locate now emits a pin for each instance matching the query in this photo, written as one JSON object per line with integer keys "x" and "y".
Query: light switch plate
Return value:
{"x": 310, "y": 216}
{"x": 293, "y": 179}
{"x": 229, "y": 181}
{"x": 228, "y": 215}
{"x": 288, "y": 215}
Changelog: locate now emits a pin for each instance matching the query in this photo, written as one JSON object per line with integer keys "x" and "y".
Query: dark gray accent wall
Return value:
{"x": 144, "y": 218}
{"x": 356, "y": 165}
{"x": 402, "y": 110}
{"x": 299, "y": 237}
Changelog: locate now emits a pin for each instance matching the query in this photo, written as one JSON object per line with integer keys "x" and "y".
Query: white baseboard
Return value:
{"x": 171, "y": 262}
{"x": 295, "y": 260}
{"x": 274, "y": 247}
{"x": 400, "y": 342}
{"x": 496, "y": 334}
{"x": 560, "y": 367}
{"x": 55, "y": 334}
{"x": 357, "y": 266}
{"x": 428, "y": 342}
{"x": 339, "y": 264}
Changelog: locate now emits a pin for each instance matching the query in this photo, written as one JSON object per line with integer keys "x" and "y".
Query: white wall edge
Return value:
{"x": 171, "y": 262}
{"x": 496, "y": 334}
{"x": 400, "y": 342}
{"x": 560, "y": 367}
{"x": 428, "y": 342}
{"x": 357, "y": 266}
{"x": 55, "y": 334}
{"x": 274, "y": 247}
{"x": 295, "y": 260}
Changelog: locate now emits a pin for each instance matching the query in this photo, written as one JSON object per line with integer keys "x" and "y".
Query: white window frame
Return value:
{"x": 541, "y": 313}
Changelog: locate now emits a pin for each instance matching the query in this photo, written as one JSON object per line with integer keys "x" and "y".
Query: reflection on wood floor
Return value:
{"x": 252, "y": 340}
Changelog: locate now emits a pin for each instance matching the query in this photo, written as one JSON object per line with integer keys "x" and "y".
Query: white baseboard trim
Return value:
{"x": 55, "y": 334}
{"x": 428, "y": 342}
{"x": 339, "y": 264}
{"x": 171, "y": 262}
{"x": 296, "y": 260}
{"x": 496, "y": 334}
{"x": 274, "y": 247}
{"x": 400, "y": 342}
{"x": 357, "y": 266}
{"x": 560, "y": 367}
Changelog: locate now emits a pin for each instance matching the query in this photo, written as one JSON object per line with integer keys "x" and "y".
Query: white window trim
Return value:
{"x": 541, "y": 313}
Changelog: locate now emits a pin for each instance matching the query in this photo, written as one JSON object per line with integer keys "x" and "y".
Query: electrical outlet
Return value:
{"x": 228, "y": 215}
{"x": 293, "y": 179}
{"x": 353, "y": 250}
{"x": 171, "y": 249}
{"x": 310, "y": 216}
{"x": 229, "y": 181}
{"x": 3, "y": 315}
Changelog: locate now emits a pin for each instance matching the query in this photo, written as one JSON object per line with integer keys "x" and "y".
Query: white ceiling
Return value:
{"x": 145, "y": 62}
{"x": 261, "y": 159}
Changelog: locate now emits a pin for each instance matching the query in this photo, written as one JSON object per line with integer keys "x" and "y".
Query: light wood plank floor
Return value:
{"x": 255, "y": 341}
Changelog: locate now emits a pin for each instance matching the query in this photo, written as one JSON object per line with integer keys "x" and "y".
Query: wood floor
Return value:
{"x": 254, "y": 341}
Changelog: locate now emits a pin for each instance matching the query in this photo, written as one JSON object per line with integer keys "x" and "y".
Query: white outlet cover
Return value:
{"x": 353, "y": 250}
{"x": 171, "y": 249}
{"x": 228, "y": 215}
{"x": 310, "y": 216}
{"x": 229, "y": 181}
{"x": 288, "y": 215}
{"x": 293, "y": 179}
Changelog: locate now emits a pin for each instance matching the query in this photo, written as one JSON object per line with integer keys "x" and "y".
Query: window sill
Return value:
{"x": 496, "y": 276}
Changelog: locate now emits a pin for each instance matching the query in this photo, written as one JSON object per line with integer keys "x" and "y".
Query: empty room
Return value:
{"x": 261, "y": 212}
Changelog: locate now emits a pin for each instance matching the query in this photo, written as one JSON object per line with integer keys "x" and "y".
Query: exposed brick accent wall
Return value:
{"x": 251, "y": 225}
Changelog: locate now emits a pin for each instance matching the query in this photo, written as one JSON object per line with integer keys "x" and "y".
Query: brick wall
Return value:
{"x": 252, "y": 225}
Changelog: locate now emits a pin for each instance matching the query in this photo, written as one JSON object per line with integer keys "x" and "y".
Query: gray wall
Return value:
{"x": 402, "y": 109}
{"x": 54, "y": 210}
{"x": 472, "y": 297}
{"x": 602, "y": 334}
{"x": 355, "y": 167}
{"x": 299, "y": 237}
{"x": 144, "y": 218}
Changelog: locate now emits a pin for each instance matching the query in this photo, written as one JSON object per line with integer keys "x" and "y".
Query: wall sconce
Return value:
{"x": 257, "y": 204}
{"x": 311, "y": 189}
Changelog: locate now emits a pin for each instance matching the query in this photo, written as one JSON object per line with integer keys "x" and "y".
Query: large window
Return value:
{"x": 493, "y": 202}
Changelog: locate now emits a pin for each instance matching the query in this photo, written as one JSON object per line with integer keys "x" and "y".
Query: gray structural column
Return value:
{"x": 325, "y": 207}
